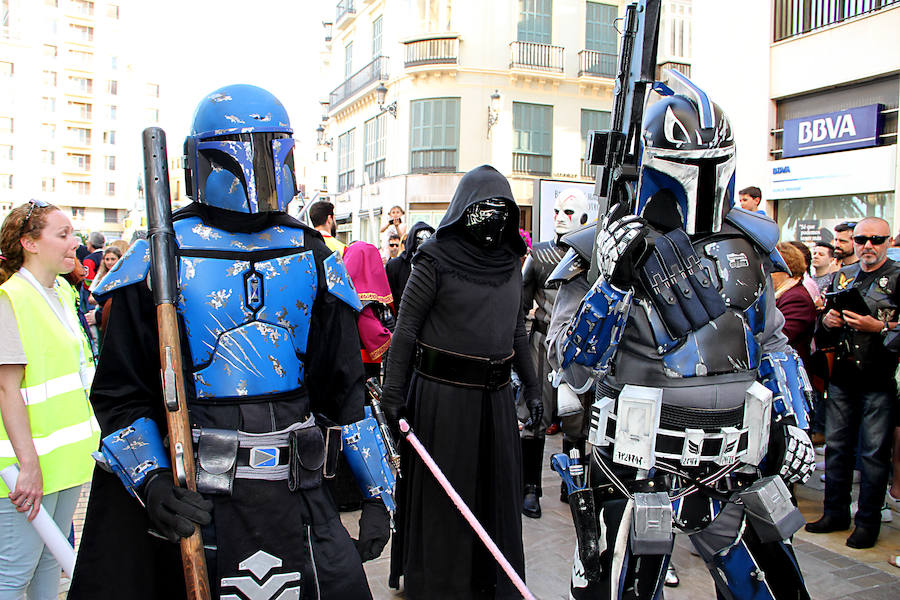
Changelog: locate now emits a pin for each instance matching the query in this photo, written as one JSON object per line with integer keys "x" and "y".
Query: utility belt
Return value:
{"x": 642, "y": 429}
{"x": 461, "y": 369}
{"x": 301, "y": 454}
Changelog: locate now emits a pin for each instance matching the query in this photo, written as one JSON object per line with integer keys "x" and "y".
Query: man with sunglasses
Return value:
{"x": 862, "y": 390}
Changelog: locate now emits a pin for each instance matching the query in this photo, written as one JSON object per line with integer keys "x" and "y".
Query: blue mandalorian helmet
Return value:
{"x": 687, "y": 163}
{"x": 238, "y": 156}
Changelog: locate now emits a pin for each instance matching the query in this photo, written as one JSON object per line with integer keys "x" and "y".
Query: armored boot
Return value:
{"x": 532, "y": 460}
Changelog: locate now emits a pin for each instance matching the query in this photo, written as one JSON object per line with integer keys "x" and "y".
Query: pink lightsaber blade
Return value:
{"x": 464, "y": 510}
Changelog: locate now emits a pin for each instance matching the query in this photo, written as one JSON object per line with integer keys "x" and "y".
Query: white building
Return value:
{"x": 812, "y": 90}
{"x": 72, "y": 108}
{"x": 514, "y": 83}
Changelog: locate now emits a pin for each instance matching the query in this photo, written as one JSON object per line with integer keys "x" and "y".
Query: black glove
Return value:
{"x": 174, "y": 510}
{"x": 374, "y": 530}
{"x": 535, "y": 411}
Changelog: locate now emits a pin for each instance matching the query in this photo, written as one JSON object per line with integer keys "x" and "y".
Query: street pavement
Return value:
{"x": 831, "y": 569}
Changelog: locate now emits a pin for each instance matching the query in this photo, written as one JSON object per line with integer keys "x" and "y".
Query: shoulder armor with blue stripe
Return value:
{"x": 130, "y": 269}
{"x": 339, "y": 283}
{"x": 761, "y": 230}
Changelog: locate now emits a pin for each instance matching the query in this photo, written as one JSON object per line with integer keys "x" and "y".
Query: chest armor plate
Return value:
{"x": 727, "y": 344}
{"x": 245, "y": 301}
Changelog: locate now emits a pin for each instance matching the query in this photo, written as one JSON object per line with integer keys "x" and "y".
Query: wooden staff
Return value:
{"x": 163, "y": 281}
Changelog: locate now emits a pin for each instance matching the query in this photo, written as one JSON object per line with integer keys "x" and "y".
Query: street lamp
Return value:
{"x": 493, "y": 111}
{"x": 380, "y": 95}
{"x": 320, "y": 137}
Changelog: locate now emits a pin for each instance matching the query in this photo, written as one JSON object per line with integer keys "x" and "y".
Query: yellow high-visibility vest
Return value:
{"x": 63, "y": 426}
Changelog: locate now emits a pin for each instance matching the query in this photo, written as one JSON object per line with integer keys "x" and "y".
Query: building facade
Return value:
{"x": 421, "y": 91}
{"x": 812, "y": 90}
{"x": 72, "y": 108}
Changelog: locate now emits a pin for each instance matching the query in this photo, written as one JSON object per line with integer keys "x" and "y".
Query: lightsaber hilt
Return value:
{"x": 467, "y": 514}
{"x": 390, "y": 446}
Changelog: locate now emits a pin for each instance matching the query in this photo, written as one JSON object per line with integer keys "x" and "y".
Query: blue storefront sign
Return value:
{"x": 843, "y": 130}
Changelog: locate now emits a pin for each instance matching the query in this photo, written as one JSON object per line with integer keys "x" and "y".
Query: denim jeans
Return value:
{"x": 26, "y": 566}
{"x": 865, "y": 417}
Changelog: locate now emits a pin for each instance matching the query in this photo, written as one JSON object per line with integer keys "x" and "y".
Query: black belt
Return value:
{"x": 462, "y": 370}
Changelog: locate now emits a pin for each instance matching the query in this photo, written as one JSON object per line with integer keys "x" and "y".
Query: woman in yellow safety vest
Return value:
{"x": 46, "y": 367}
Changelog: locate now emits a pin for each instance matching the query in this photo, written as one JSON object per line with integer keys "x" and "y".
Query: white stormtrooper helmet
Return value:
{"x": 571, "y": 211}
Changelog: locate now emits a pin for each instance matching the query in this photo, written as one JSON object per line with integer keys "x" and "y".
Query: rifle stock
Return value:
{"x": 616, "y": 151}
{"x": 163, "y": 281}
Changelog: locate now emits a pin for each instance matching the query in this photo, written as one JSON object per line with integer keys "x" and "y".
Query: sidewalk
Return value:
{"x": 831, "y": 569}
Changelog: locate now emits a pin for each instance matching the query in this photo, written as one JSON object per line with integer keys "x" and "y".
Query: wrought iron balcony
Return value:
{"x": 683, "y": 68}
{"x": 531, "y": 164}
{"x": 344, "y": 8}
{"x": 369, "y": 74}
{"x": 432, "y": 51}
{"x": 541, "y": 57}
{"x": 597, "y": 64}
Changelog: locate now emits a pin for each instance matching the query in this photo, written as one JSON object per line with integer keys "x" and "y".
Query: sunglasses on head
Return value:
{"x": 876, "y": 240}
{"x": 33, "y": 203}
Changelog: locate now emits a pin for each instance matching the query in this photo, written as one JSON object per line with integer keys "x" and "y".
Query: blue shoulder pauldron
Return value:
{"x": 339, "y": 283}
{"x": 762, "y": 230}
{"x": 130, "y": 269}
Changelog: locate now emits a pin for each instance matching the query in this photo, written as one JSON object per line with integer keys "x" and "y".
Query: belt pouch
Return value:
{"x": 333, "y": 443}
{"x": 651, "y": 524}
{"x": 217, "y": 460}
{"x": 770, "y": 510}
{"x": 307, "y": 455}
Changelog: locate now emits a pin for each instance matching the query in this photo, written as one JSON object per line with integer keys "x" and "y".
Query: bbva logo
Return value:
{"x": 831, "y": 128}
{"x": 781, "y": 170}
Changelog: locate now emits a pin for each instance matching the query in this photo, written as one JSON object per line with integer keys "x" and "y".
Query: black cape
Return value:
{"x": 463, "y": 299}
{"x": 117, "y": 558}
{"x": 399, "y": 267}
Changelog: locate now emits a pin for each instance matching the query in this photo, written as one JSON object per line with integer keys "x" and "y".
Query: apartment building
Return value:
{"x": 812, "y": 90}
{"x": 421, "y": 91}
{"x": 72, "y": 106}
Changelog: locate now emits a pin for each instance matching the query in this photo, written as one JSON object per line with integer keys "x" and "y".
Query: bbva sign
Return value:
{"x": 843, "y": 130}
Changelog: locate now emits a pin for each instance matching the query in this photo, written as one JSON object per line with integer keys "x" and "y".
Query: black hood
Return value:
{"x": 483, "y": 183}
{"x": 412, "y": 242}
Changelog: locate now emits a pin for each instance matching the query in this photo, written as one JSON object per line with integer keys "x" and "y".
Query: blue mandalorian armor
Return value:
{"x": 266, "y": 312}
{"x": 684, "y": 402}
{"x": 245, "y": 312}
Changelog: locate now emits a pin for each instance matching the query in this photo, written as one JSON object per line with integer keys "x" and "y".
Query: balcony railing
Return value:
{"x": 683, "y": 68}
{"x": 372, "y": 72}
{"x": 597, "y": 64}
{"x": 588, "y": 170}
{"x": 433, "y": 161}
{"x": 344, "y": 8}
{"x": 532, "y": 164}
{"x": 796, "y": 17}
{"x": 432, "y": 51}
{"x": 531, "y": 55}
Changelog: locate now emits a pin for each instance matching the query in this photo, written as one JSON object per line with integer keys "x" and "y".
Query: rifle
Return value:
{"x": 162, "y": 277}
{"x": 615, "y": 151}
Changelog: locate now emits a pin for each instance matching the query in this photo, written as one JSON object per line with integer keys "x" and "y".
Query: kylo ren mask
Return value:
{"x": 485, "y": 222}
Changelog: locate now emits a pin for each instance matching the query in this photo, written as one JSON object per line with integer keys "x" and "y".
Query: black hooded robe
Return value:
{"x": 399, "y": 267}
{"x": 461, "y": 298}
